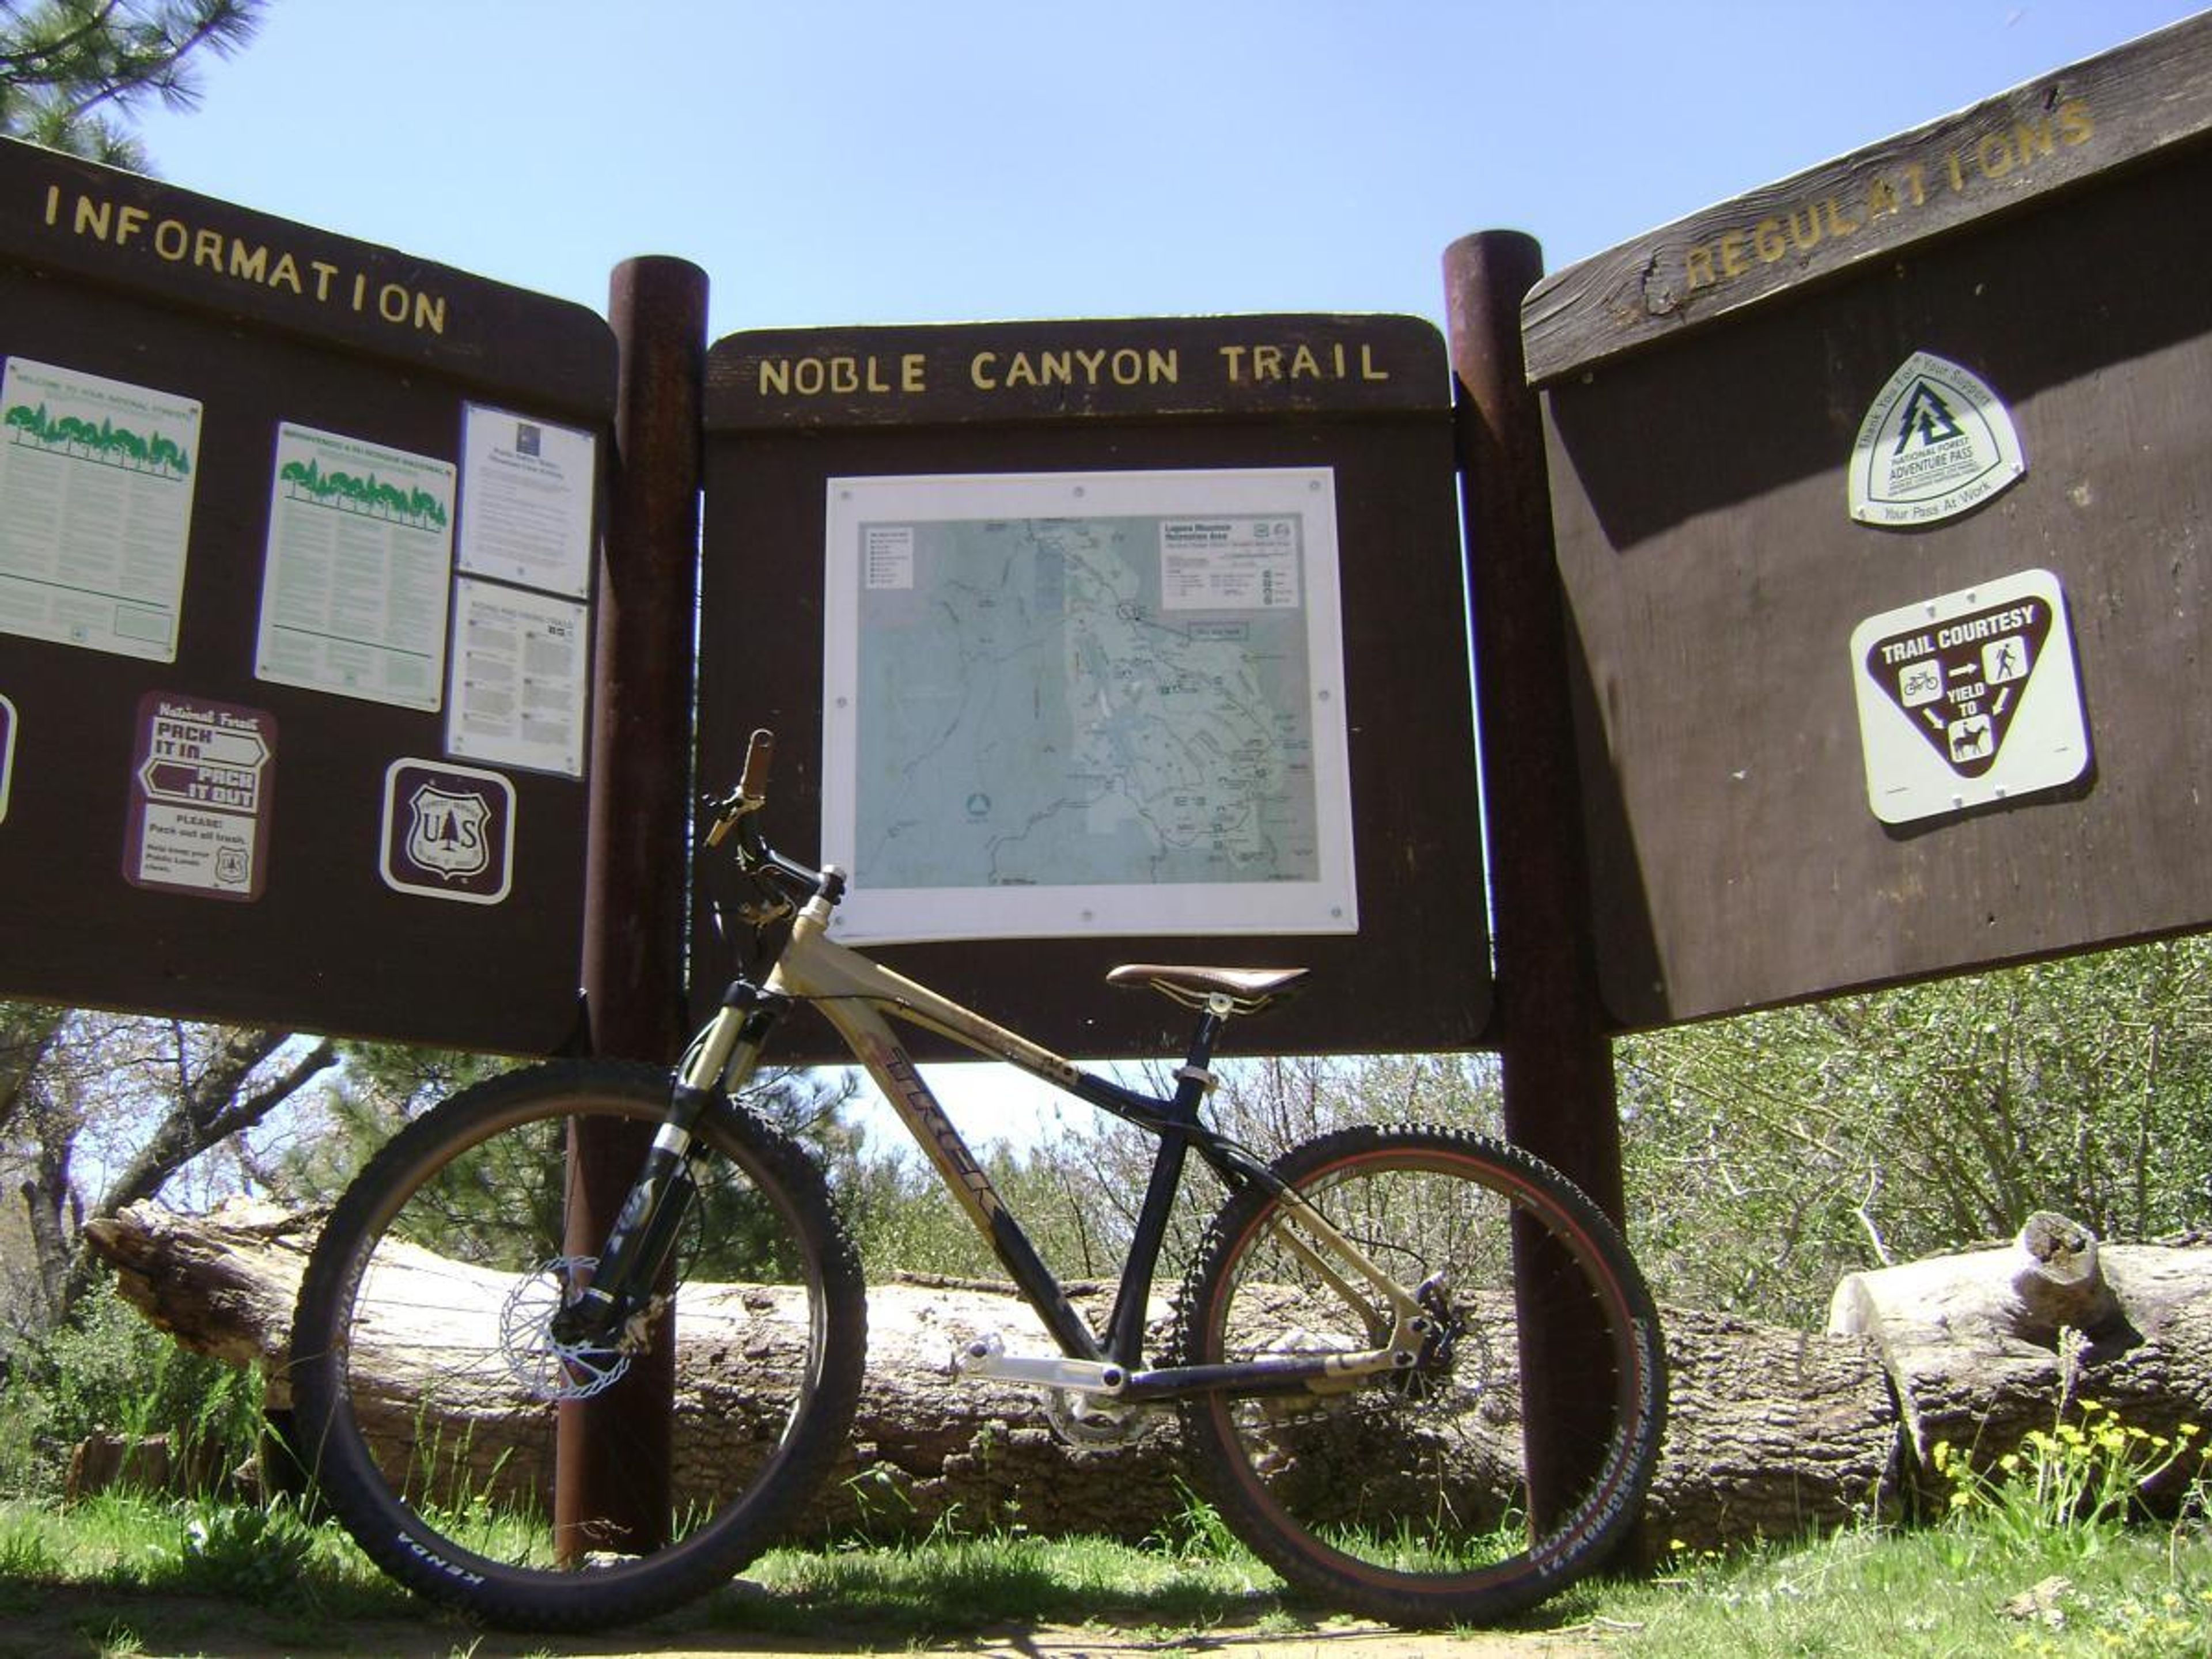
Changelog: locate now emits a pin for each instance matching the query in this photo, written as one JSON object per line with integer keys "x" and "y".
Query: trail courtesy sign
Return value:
{"x": 1969, "y": 698}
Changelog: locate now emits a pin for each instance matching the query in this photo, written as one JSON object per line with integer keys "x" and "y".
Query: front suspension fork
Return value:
{"x": 642, "y": 1238}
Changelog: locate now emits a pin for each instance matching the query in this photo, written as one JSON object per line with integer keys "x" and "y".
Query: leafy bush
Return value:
{"x": 106, "y": 1370}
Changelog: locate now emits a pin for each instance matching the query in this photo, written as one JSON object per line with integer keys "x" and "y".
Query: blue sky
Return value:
{"x": 871, "y": 162}
{"x": 864, "y": 162}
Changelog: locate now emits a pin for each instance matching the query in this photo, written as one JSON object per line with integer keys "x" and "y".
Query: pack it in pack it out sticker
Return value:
{"x": 448, "y": 831}
{"x": 202, "y": 777}
{"x": 1937, "y": 442}
{"x": 1969, "y": 699}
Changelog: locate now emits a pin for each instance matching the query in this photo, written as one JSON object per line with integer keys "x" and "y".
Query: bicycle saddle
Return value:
{"x": 1249, "y": 989}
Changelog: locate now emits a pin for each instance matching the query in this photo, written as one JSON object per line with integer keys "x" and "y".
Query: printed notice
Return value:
{"x": 526, "y": 500}
{"x": 521, "y": 664}
{"x": 96, "y": 509}
{"x": 200, "y": 796}
{"x": 360, "y": 556}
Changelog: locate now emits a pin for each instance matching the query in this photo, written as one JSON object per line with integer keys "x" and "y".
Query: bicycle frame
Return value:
{"x": 860, "y": 996}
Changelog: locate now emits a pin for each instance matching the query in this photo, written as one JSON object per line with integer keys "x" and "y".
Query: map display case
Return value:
{"x": 1092, "y": 642}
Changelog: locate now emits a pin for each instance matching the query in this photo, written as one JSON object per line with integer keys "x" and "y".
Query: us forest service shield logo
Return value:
{"x": 448, "y": 831}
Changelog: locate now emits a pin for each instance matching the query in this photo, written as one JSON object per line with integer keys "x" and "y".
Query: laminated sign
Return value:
{"x": 1936, "y": 442}
{"x": 1968, "y": 699}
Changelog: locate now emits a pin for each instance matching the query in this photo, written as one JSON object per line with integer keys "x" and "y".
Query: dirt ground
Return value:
{"x": 65, "y": 1623}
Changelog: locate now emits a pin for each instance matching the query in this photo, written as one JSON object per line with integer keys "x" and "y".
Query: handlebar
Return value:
{"x": 737, "y": 810}
{"x": 751, "y": 793}
{"x": 759, "y": 753}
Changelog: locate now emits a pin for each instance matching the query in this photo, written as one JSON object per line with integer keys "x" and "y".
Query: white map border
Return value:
{"x": 1328, "y": 904}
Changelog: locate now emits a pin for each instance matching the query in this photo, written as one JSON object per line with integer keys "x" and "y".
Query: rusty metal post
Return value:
{"x": 612, "y": 1453}
{"x": 1554, "y": 1050}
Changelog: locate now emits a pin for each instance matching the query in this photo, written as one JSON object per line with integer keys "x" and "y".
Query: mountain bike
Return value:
{"x": 1344, "y": 1356}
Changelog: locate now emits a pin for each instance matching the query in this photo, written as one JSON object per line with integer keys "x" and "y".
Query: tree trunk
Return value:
{"x": 1771, "y": 1432}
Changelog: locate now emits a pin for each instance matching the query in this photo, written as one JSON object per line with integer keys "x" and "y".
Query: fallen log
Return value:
{"x": 1772, "y": 1431}
{"x": 1985, "y": 1347}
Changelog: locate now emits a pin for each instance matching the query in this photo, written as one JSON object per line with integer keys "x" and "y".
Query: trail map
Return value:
{"x": 1095, "y": 701}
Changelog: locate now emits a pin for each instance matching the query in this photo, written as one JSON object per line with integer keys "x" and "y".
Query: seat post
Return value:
{"x": 1194, "y": 1079}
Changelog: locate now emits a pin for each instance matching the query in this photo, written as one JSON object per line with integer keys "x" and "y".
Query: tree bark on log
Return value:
{"x": 1772, "y": 1431}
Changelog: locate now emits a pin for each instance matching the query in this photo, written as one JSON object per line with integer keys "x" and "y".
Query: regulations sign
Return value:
{"x": 1969, "y": 698}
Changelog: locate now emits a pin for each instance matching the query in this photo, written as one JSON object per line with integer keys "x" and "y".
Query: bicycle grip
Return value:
{"x": 759, "y": 753}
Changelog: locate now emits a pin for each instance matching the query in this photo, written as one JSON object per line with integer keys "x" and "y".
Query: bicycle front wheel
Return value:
{"x": 429, "y": 1388}
{"x": 1405, "y": 1495}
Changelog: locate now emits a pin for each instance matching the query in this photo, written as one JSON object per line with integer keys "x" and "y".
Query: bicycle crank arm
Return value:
{"x": 982, "y": 1360}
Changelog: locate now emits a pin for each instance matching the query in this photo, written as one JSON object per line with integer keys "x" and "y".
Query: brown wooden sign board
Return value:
{"x": 1766, "y": 676}
{"x": 989, "y": 415}
{"x": 207, "y": 808}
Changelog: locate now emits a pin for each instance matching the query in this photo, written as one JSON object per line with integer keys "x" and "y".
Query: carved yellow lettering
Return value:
{"x": 982, "y": 372}
{"x": 1732, "y": 259}
{"x": 1369, "y": 368}
{"x": 323, "y": 271}
{"x": 2033, "y": 137}
{"x": 1233, "y": 356}
{"x": 910, "y": 372}
{"x": 1697, "y": 267}
{"x": 284, "y": 273}
{"x": 1766, "y": 237}
{"x": 775, "y": 377}
{"x": 1021, "y": 371}
{"x": 2076, "y": 125}
{"x": 208, "y": 250}
{"x": 1304, "y": 366}
{"x": 172, "y": 240}
{"x": 92, "y": 217}
{"x": 1839, "y": 222}
{"x": 1913, "y": 185}
{"x": 1266, "y": 362}
{"x": 54, "y": 204}
{"x": 1882, "y": 198}
{"x": 127, "y": 223}
{"x": 1805, "y": 237}
{"x": 1993, "y": 155}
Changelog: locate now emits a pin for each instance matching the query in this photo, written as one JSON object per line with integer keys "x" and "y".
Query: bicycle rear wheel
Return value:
{"x": 427, "y": 1387}
{"x": 1405, "y": 1496}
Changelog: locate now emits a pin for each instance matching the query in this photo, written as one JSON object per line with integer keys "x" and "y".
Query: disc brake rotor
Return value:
{"x": 544, "y": 1367}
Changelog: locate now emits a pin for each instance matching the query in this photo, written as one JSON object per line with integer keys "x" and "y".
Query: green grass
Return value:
{"x": 2044, "y": 1556}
